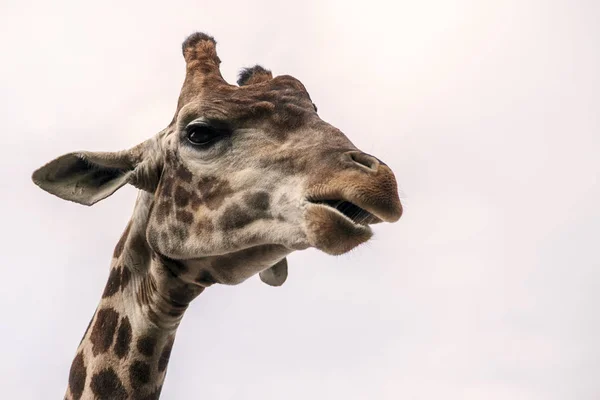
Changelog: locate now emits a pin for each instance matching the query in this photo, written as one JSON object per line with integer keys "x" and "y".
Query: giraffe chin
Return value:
{"x": 332, "y": 232}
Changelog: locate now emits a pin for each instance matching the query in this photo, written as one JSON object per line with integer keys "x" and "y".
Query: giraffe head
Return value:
{"x": 247, "y": 172}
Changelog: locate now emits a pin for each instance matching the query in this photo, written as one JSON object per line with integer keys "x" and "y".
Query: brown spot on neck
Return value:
{"x": 125, "y": 277}
{"x": 123, "y": 340}
{"x": 114, "y": 282}
{"x": 146, "y": 345}
{"x": 139, "y": 374}
{"x": 77, "y": 376}
{"x": 107, "y": 385}
{"x": 104, "y": 330}
{"x": 163, "y": 361}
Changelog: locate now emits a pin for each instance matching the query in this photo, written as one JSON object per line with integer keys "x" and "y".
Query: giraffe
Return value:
{"x": 241, "y": 177}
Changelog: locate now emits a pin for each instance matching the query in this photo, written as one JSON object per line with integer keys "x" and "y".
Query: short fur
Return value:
{"x": 276, "y": 178}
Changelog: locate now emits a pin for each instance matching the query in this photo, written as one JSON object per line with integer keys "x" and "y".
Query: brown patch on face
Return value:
{"x": 121, "y": 244}
{"x": 184, "y": 216}
{"x": 213, "y": 191}
{"x": 104, "y": 330}
{"x": 123, "y": 338}
{"x": 114, "y": 281}
{"x": 182, "y": 197}
{"x": 204, "y": 225}
{"x": 107, "y": 385}
{"x": 167, "y": 185}
{"x": 184, "y": 174}
{"x": 206, "y": 183}
{"x": 164, "y": 237}
{"x": 178, "y": 232}
{"x": 163, "y": 361}
{"x": 258, "y": 200}
{"x": 125, "y": 277}
{"x": 234, "y": 218}
{"x": 162, "y": 211}
{"x": 146, "y": 345}
{"x": 77, "y": 376}
{"x": 195, "y": 201}
{"x": 139, "y": 374}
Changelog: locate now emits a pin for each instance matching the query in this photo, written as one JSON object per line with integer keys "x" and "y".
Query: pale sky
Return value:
{"x": 487, "y": 111}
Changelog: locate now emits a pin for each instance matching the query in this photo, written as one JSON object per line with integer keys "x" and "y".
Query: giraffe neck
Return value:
{"x": 125, "y": 350}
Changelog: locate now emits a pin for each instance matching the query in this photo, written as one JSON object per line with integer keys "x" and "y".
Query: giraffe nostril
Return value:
{"x": 364, "y": 160}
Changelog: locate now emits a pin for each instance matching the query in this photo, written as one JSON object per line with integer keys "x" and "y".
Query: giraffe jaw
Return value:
{"x": 331, "y": 231}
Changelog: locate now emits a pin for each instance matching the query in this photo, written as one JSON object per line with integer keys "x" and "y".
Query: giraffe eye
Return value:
{"x": 202, "y": 134}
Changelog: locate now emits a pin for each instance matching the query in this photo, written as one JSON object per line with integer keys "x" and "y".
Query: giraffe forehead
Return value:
{"x": 284, "y": 102}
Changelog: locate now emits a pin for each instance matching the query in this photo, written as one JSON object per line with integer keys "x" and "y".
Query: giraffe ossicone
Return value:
{"x": 241, "y": 177}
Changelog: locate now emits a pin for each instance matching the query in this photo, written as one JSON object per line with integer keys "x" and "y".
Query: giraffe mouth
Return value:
{"x": 352, "y": 212}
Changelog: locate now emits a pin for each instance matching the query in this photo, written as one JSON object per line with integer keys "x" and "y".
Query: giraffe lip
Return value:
{"x": 350, "y": 211}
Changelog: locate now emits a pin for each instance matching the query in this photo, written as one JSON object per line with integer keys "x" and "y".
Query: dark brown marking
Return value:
{"x": 234, "y": 218}
{"x": 175, "y": 267}
{"x": 205, "y": 278}
{"x": 138, "y": 244}
{"x": 163, "y": 361}
{"x": 146, "y": 345}
{"x": 182, "y": 197}
{"x": 104, "y": 330}
{"x": 77, "y": 376}
{"x": 114, "y": 281}
{"x": 184, "y": 216}
{"x": 204, "y": 226}
{"x": 123, "y": 338}
{"x": 184, "y": 294}
{"x": 178, "y": 232}
{"x": 167, "y": 185}
{"x": 184, "y": 174}
{"x": 121, "y": 244}
{"x": 107, "y": 385}
{"x": 139, "y": 374}
{"x": 206, "y": 183}
{"x": 164, "y": 237}
{"x": 258, "y": 200}
{"x": 177, "y": 311}
{"x": 195, "y": 201}
{"x": 154, "y": 395}
{"x": 214, "y": 192}
{"x": 162, "y": 211}
{"x": 125, "y": 277}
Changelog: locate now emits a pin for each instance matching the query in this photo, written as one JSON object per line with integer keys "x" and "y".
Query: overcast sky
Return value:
{"x": 487, "y": 111}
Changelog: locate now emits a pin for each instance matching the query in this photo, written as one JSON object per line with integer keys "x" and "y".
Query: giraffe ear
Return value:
{"x": 88, "y": 177}
{"x": 276, "y": 275}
